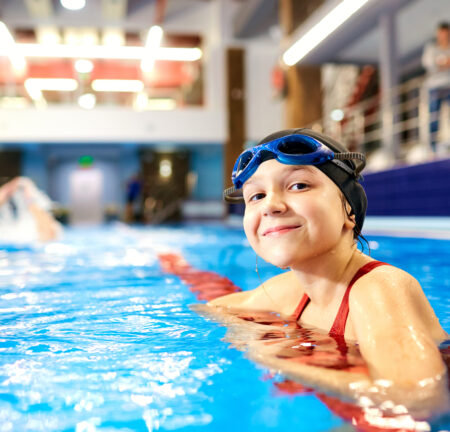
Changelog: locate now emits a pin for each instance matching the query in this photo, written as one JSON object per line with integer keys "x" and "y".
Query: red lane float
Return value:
{"x": 205, "y": 284}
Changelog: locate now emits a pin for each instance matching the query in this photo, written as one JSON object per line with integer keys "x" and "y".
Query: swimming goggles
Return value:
{"x": 291, "y": 150}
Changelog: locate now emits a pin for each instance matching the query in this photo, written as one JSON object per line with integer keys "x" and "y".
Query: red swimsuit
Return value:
{"x": 338, "y": 328}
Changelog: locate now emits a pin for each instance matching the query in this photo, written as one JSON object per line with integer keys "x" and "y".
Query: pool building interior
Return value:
{"x": 89, "y": 108}
{"x": 129, "y": 115}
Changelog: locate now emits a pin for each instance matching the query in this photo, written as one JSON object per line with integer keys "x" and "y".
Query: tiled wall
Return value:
{"x": 419, "y": 190}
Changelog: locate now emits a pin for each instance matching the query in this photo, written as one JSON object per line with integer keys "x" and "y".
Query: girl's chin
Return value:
{"x": 278, "y": 262}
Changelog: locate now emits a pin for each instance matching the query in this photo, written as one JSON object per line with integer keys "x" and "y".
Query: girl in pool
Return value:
{"x": 304, "y": 211}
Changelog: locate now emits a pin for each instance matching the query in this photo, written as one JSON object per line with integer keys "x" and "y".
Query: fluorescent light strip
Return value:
{"x": 51, "y": 84}
{"x": 110, "y": 85}
{"x": 102, "y": 52}
{"x": 8, "y": 48}
{"x": 179, "y": 54}
{"x": 152, "y": 45}
{"x": 84, "y": 66}
{"x": 73, "y": 5}
{"x": 327, "y": 25}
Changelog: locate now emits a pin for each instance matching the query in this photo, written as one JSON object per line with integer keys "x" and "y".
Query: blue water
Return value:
{"x": 94, "y": 337}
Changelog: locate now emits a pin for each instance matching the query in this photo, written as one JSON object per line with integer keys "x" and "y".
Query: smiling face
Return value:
{"x": 294, "y": 214}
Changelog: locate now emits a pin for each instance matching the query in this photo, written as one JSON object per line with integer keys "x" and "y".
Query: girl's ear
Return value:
{"x": 350, "y": 220}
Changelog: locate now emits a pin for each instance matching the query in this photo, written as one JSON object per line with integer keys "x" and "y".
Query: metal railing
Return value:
{"x": 362, "y": 127}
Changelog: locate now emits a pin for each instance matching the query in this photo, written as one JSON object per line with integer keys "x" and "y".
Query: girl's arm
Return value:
{"x": 279, "y": 294}
{"x": 396, "y": 331}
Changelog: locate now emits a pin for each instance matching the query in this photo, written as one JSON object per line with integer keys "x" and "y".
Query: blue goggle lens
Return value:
{"x": 291, "y": 150}
{"x": 295, "y": 148}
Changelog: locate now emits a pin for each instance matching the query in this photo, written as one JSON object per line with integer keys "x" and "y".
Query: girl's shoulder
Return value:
{"x": 385, "y": 282}
{"x": 390, "y": 296}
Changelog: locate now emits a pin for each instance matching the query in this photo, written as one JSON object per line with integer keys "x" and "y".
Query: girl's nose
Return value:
{"x": 274, "y": 204}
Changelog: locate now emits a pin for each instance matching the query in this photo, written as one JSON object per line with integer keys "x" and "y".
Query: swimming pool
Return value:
{"x": 95, "y": 337}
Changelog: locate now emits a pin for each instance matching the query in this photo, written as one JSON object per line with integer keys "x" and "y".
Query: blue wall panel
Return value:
{"x": 418, "y": 190}
{"x": 207, "y": 162}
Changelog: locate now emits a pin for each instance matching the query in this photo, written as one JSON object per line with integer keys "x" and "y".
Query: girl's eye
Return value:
{"x": 257, "y": 197}
{"x": 298, "y": 186}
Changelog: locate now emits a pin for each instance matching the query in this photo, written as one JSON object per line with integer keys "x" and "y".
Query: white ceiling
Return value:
{"x": 357, "y": 42}
{"x": 131, "y": 15}
{"x": 416, "y": 24}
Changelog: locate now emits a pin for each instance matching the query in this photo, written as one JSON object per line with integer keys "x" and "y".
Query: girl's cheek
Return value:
{"x": 248, "y": 223}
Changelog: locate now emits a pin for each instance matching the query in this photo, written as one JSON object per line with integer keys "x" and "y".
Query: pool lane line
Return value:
{"x": 206, "y": 285}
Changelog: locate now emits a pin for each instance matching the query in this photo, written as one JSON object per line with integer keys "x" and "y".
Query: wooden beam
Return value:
{"x": 236, "y": 132}
{"x": 304, "y": 95}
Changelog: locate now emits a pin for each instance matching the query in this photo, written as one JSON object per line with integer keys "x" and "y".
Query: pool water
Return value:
{"x": 96, "y": 337}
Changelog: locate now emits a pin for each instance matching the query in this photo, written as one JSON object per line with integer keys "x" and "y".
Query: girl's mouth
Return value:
{"x": 279, "y": 230}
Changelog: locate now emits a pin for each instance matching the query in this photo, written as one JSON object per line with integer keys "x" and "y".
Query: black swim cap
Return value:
{"x": 346, "y": 182}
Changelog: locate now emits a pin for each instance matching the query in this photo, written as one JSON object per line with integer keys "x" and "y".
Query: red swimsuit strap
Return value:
{"x": 338, "y": 328}
{"x": 301, "y": 307}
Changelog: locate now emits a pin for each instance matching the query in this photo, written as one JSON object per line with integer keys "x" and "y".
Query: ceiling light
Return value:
{"x": 140, "y": 102}
{"x": 87, "y": 101}
{"x": 111, "y": 85}
{"x": 9, "y": 49}
{"x": 165, "y": 168}
{"x": 51, "y": 84}
{"x": 152, "y": 45}
{"x": 179, "y": 54}
{"x": 327, "y": 25}
{"x": 48, "y": 35}
{"x": 113, "y": 37}
{"x": 84, "y": 66}
{"x": 337, "y": 115}
{"x": 103, "y": 52}
{"x": 34, "y": 92}
{"x": 73, "y": 4}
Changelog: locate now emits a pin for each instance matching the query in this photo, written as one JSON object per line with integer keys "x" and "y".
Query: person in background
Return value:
{"x": 134, "y": 187}
{"x": 436, "y": 61}
{"x": 25, "y": 213}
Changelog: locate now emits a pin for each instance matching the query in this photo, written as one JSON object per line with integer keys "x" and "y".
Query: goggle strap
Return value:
{"x": 227, "y": 195}
{"x": 351, "y": 156}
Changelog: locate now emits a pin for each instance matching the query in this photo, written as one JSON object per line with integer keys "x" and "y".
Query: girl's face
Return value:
{"x": 293, "y": 213}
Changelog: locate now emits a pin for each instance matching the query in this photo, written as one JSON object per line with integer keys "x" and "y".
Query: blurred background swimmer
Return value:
{"x": 25, "y": 213}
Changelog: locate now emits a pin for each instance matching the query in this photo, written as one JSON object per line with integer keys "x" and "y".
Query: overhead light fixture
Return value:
{"x": 113, "y": 37}
{"x": 101, "y": 52}
{"x": 73, "y": 4}
{"x": 152, "y": 44}
{"x": 140, "y": 102}
{"x": 111, "y": 85}
{"x": 51, "y": 84}
{"x": 179, "y": 54}
{"x": 9, "y": 48}
{"x": 84, "y": 66}
{"x": 34, "y": 92}
{"x": 327, "y": 25}
{"x": 48, "y": 35}
{"x": 165, "y": 168}
{"x": 87, "y": 101}
{"x": 337, "y": 115}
